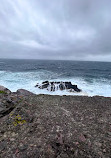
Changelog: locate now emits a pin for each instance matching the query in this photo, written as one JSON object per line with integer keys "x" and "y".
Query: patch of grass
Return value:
{"x": 2, "y": 92}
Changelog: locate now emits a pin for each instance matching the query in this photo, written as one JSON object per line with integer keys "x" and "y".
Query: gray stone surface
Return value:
{"x": 43, "y": 126}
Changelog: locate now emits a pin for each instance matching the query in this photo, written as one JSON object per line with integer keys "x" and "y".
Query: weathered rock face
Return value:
{"x": 53, "y": 86}
{"x": 9, "y": 100}
{"x": 45, "y": 126}
{"x": 7, "y": 104}
{"x": 24, "y": 92}
{"x": 4, "y": 90}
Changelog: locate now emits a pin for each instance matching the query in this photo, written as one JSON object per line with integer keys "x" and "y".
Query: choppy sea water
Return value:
{"x": 94, "y": 78}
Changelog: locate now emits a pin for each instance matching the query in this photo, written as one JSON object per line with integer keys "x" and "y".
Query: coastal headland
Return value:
{"x": 45, "y": 126}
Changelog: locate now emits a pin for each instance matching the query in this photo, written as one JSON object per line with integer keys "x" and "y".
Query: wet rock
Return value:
{"x": 62, "y": 86}
{"x": 53, "y": 86}
{"x": 45, "y": 82}
{"x": 37, "y": 85}
{"x": 45, "y": 85}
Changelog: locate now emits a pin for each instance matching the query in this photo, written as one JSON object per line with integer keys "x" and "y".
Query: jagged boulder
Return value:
{"x": 53, "y": 86}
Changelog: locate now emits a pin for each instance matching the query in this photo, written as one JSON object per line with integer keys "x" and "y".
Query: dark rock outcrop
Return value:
{"x": 53, "y": 86}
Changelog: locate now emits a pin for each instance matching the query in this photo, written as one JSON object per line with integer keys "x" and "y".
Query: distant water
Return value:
{"x": 94, "y": 78}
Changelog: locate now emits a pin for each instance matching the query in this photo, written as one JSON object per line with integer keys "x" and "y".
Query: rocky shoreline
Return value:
{"x": 54, "y": 86}
{"x": 44, "y": 126}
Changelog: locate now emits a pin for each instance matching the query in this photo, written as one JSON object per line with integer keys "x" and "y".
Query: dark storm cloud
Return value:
{"x": 59, "y": 29}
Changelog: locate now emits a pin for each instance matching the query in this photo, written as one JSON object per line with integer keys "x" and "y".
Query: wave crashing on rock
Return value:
{"x": 54, "y": 86}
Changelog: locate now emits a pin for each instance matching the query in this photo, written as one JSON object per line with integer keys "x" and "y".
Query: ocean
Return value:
{"x": 94, "y": 78}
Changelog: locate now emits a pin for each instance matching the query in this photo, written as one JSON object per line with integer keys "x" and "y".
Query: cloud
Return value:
{"x": 61, "y": 29}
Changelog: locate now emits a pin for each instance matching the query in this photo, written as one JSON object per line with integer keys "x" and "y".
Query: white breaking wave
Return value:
{"x": 28, "y": 80}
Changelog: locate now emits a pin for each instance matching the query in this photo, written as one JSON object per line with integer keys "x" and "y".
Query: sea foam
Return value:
{"x": 28, "y": 80}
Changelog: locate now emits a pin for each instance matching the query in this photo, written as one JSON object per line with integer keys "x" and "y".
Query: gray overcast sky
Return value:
{"x": 55, "y": 29}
